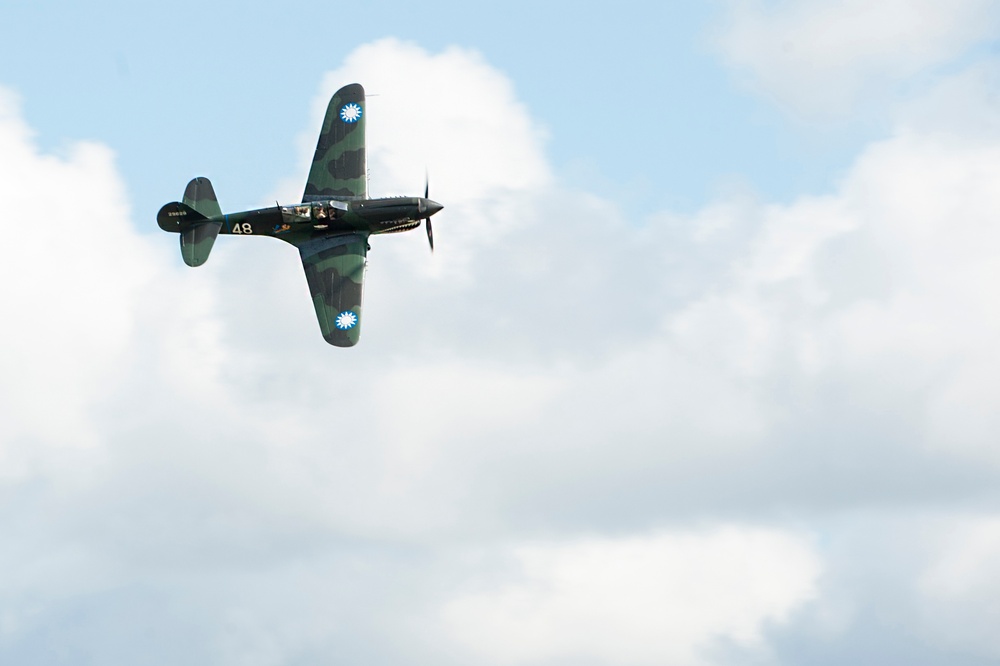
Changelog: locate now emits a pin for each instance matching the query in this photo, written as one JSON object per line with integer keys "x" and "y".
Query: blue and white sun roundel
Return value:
{"x": 350, "y": 112}
{"x": 346, "y": 320}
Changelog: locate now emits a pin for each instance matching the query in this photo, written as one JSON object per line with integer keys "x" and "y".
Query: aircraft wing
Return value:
{"x": 335, "y": 270}
{"x": 339, "y": 167}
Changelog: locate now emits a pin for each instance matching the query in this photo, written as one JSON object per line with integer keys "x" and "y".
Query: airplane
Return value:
{"x": 330, "y": 227}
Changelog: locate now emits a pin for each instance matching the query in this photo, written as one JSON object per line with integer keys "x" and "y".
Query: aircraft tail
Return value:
{"x": 200, "y": 195}
{"x": 195, "y": 219}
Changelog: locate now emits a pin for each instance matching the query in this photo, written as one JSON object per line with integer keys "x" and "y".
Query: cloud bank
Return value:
{"x": 827, "y": 58}
{"x": 737, "y": 436}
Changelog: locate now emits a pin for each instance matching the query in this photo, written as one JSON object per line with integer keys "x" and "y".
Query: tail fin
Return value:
{"x": 193, "y": 219}
{"x": 175, "y": 217}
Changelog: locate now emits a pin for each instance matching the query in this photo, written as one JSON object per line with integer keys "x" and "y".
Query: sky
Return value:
{"x": 703, "y": 370}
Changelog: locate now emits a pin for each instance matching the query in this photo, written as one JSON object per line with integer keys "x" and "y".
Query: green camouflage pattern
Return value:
{"x": 339, "y": 167}
{"x": 197, "y": 233}
{"x": 330, "y": 227}
{"x": 200, "y": 195}
{"x": 335, "y": 271}
{"x": 197, "y": 241}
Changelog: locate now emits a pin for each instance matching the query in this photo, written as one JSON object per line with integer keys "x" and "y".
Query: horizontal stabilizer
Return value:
{"x": 200, "y": 195}
{"x": 197, "y": 242}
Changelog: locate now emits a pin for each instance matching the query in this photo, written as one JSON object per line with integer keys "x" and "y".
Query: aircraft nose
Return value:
{"x": 429, "y": 207}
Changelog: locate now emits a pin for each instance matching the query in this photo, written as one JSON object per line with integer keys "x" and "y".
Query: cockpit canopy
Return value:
{"x": 317, "y": 210}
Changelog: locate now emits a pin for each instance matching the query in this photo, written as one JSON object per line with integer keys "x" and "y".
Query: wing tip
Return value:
{"x": 341, "y": 340}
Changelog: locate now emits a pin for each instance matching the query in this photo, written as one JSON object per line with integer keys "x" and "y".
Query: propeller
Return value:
{"x": 427, "y": 220}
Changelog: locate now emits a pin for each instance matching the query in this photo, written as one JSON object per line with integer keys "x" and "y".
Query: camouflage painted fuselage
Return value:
{"x": 318, "y": 219}
{"x": 331, "y": 235}
{"x": 330, "y": 227}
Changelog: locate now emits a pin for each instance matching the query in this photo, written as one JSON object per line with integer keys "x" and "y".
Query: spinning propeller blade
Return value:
{"x": 427, "y": 220}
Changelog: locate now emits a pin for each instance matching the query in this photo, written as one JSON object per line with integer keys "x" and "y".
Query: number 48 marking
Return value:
{"x": 244, "y": 228}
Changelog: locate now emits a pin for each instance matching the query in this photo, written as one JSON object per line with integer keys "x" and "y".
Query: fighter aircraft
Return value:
{"x": 330, "y": 227}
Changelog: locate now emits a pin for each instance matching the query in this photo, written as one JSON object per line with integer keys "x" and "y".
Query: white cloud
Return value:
{"x": 450, "y": 116}
{"x": 70, "y": 283}
{"x": 825, "y": 57}
{"x": 960, "y": 587}
{"x": 661, "y": 598}
{"x": 553, "y": 370}
{"x": 890, "y": 285}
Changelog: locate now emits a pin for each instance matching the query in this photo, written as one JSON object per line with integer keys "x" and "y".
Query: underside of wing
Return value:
{"x": 339, "y": 167}
{"x": 335, "y": 270}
